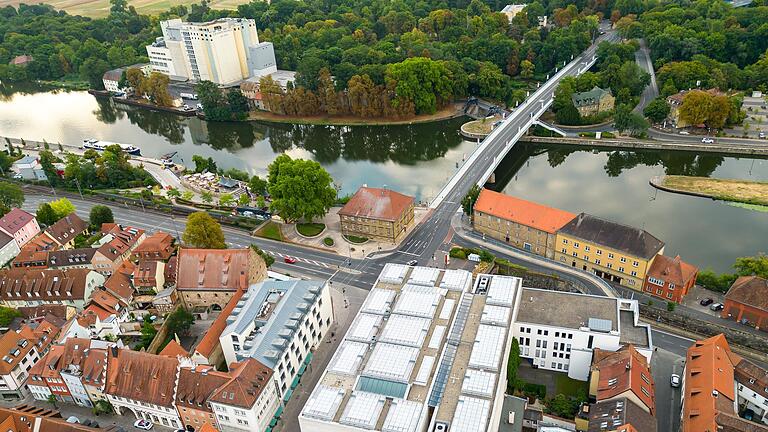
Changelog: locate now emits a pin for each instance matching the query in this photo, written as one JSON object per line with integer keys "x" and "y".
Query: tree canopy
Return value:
{"x": 203, "y": 232}
{"x": 46, "y": 215}
{"x": 99, "y": 215}
{"x": 11, "y": 196}
{"x": 62, "y": 207}
{"x": 299, "y": 188}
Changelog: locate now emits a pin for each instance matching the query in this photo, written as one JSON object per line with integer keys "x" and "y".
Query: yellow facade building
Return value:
{"x": 615, "y": 252}
{"x": 379, "y": 214}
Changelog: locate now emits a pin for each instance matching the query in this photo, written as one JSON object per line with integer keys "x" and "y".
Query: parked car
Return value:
{"x": 143, "y": 424}
{"x": 707, "y": 140}
{"x": 717, "y": 307}
{"x": 674, "y": 380}
{"x": 412, "y": 263}
{"x": 706, "y": 301}
{"x": 290, "y": 260}
{"x": 73, "y": 419}
{"x": 684, "y": 133}
{"x": 761, "y": 135}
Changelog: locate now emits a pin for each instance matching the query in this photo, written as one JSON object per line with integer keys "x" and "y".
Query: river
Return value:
{"x": 418, "y": 160}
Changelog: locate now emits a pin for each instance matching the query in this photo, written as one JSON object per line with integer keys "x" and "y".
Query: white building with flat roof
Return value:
{"x": 225, "y": 51}
{"x": 558, "y": 330}
{"x": 427, "y": 349}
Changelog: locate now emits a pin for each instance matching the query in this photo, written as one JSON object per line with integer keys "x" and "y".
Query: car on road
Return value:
{"x": 412, "y": 263}
{"x": 143, "y": 424}
{"x": 761, "y": 135}
{"x": 707, "y": 140}
{"x": 290, "y": 260}
{"x": 706, "y": 301}
{"x": 717, "y": 307}
{"x": 674, "y": 380}
{"x": 684, "y": 133}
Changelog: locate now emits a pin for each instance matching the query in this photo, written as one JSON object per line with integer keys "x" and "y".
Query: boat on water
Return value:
{"x": 99, "y": 145}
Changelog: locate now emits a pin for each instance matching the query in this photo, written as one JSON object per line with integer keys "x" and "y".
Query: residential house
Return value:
{"x": 251, "y": 88}
{"x": 143, "y": 384}
{"x": 117, "y": 245}
{"x": 111, "y": 78}
{"x": 209, "y": 277}
{"x": 45, "y": 379}
{"x": 173, "y": 349}
{"x": 66, "y": 229}
{"x": 34, "y": 254}
{"x": 8, "y": 248}
{"x": 710, "y": 398}
{"x": 752, "y": 390}
{"x": 670, "y": 278}
{"x": 196, "y": 385}
{"x": 38, "y": 313}
{"x": 511, "y": 10}
{"x": 30, "y": 418}
{"x": 676, "y": 100}
{"x": 22, "y": 349}
{"x": 559, "y": 331}
{"x": 29, "y": 168}
{"x": 71, "y": 258}
{"x": 747, "y": 302}
{"x": 149, "y": 276}
{"x": 593, "y": 102}
{"x": 25, "y": 287}
{"x": 523, "y": 224}
{"x": 94, "y": 376}
{"x": 278, "y": 323}
{"x": 618, "y": 415}
{"x": 379, "y": 214}
{"x": 171, "y": 269}
{"x": 248, "y": 400}
{"x": 20, "y": 225}
{"x": 21, "y": 60}
{"x": 615, "y": 252}
{"x": 159, "y": 246}
{"x": 622, "y": 374}
{"x": 70, "y": 368}
{"x": 120, "y": 286}
{"x": 166, "y": 300}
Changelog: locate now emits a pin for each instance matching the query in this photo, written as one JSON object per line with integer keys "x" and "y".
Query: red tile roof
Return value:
{"x": 524, "y": 212}
{"x": 120, "y": 285}
{"x": 249, "y": 379}
{"x": 173, "y": 349}
{"x": 40, "y": 285}
{"x": 159, "y": 244}
{"x": 211, "y": 339}
{"x": 751, "y": 291}
{"x": 141, "y": 376}
{"x": 67, "y": 228}
{"x": 14, "y": 345}
{"x": 375, "y": 203}
{"x": 197, "y": 384}
{"x": 210, "y": 269}
{"x": 673, "y": 270}
{"x": 15, "y": 220}
{"x": 625, "y": 370}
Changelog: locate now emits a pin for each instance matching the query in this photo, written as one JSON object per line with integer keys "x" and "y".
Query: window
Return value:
{"x": 610, "y": 255}
{"x": 564, "y": 250}
{"x": 669, "y": 295}
{"x": 575, "y": 254}
{"x": 609, "y": 265}
{"x": 633, "y": 273}
{"x": 597, "y": 261}
{"x": 576, "y": 245}
{"x": 586, "y": 248}
{"x": 635, "y": 263}
{"x": 621, "y": 269}
{"x": 599, "y": 252}
{"x": 622, "y": 259}
{"x": 565, "y": 241}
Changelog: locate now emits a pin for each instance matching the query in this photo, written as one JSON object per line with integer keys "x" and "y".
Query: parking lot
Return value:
{"x": 756, "y": 121}
{"x": 697, "y": 293}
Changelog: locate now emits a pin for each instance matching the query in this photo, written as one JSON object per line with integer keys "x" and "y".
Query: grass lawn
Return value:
{"x": 743, "y": 191}
{"x": 356, "y": 239}
{"x": 328, "y": 241}
{"x": 570, "y": 387}
{"x": 310, "y": 229}
{"x": 270, "y": 230}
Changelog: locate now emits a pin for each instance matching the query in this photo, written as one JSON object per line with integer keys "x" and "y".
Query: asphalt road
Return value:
{"x": 651, "y": 91}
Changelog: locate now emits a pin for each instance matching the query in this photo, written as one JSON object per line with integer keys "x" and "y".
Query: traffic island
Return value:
{"x": 739, "y": 191}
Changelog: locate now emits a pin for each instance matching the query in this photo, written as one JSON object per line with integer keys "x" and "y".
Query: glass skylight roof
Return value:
{"x": 425, "y": 370}
{"x": 393, "y": 273}
{"x": 471, "y": 415}
{"x": 403, "y": 416}
{"x": 405, "y": 330}
{"x": 426, "y": 276}
{"x": 362, "y": 410}
{"x": 478, "y": 383}
{"x": 348, "y": 357}
{"x": 364, "y": 328}
{"x": 378, "y": 301}
{"x": 502, "y": 290}
{"x": 489, "y": 342}
{"x": 393, "y": 362}
{"x": 498, "y": 315}
{"x": 418, "y": 301}
{"x": 323, "y": 402}
{"x": 456, "y": 280}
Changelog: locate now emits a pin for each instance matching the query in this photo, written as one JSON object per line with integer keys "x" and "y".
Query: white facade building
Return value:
{"x": 8, "y": 249}
{"x": 558, "y": 330}
{"x": 426, "y": 351}
{"x": 752, "y": 390}
{"x": 279, "y": 323}
{"x": 225, "y": 51}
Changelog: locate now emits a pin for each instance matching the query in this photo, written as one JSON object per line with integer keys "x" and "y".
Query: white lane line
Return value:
{"x": 409, "y": 253}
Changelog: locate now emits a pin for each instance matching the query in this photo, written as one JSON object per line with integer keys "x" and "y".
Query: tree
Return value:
{"x": 11, "y": 196}
{"x": 173, "y": 193}
{"x": 300, "y": 189}
{"x": 657, "y": 110}
{"x": 5, "y": 160}
{"x": 156, "y": 87}
{"x": 187, "y": 195}
{"x": 513, "y": 364}
{"x": 626, "y": 120}
{"x": 526, "y": 69}
{"x": 206, "y": 196}
{"x": 46, "y": 215}
{"x": 203, "y": 232}
{"x": 469, "y": 200}
{"x": 423, "y": 81}
{"x": 201, "y": 163}
{"x": 103, "y": 406}
{"x": 135, "y": 79}
{"x": 756, "y": 265}
{"x": 148, "y": 333}
{"x": 52, "y": 400}
{"x": 268, "y": 259}
{"x": 7, "y": 315}
{"x": 243, "y": 199}
{"x": 226, "y": 200}
{"x": 62, "y": 207}
{"x": 99, "y": 215}
{"x": 179, "y": 321}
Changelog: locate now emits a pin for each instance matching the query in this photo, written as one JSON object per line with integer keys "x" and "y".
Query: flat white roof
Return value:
{"x": 424, "y": 276}
{"x": 378, "y": 301}
{"x": 437, "y": 337}
{"x": 393, "y": 273}
{"x": 445, "y": 311}
{"x": 403, "y": 416}
{"x": 348, "y": 357}
{"x": 405, "y": 330}
{"x": 478, "y": 383}
{"x": 418, "y": 301}
{"x": 363, "y": 409}
{"x": 471, "y": 415}
{"x": 425, "y": 370}
{"x": 323, "y": 402}
{"x": 498, "y": 315}
{"x": 457, "y": 280}
{"x": 392, "y": 362}
{"x": 502, "y": 290}
{"x": 489, "y": 343}
{"x": 364, "y": 328}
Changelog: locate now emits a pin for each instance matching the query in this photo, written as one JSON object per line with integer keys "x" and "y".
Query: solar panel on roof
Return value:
{"x": 600, "y": 325}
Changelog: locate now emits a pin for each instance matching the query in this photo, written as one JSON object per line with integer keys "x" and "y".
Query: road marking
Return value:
{"x": 409, "y": 253}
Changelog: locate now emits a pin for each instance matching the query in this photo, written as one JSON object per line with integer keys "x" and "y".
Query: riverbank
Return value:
{"x": 740, "y": 191}
{"x": 450, "y": 112}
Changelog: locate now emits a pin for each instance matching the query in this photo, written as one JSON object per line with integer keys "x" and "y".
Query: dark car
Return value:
{"x": 706, "y": 302}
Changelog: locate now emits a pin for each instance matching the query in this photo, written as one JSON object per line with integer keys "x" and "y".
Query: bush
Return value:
{"x": 535, "y": 390}
{"x": 608, "y": 135}
{"x": 356, "y": 239}
{"x": 457, "y": 252}
{"x": 310, "y": 229}
{"x": 328, "y": 241}
{"x": 671, "y": 306}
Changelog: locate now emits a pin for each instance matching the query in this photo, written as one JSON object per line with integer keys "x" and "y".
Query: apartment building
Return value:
{"x": 617, "y": 415}
{"x": 66, "y": 229}
{"x": 225, "y": 51}
{"x": 248, "y": 401}
{"x": 34, "y": 254}
{"x": 279, "y": 323}
{"x": 208, "y": 278}
{"x": 559, "y": 331}
{"x": 27, "y": 418}
{"x": 8, "y": 248}
{"x": 32, "y": 287}
{"x": 380, "y": 214}
{"x": 116, "y": 247}
{"x": 615, "y": 252}
{"x": 196, "y": 385}
{"x": 670, "y": 279}
{"x": 427, "y": 350}
{"x": 149, "y": 276}
{"x": 20, "y": 225}
{"x": 143, "y": 384}
{"x": 22, "y": 348}
{"x": 159, "y": 246}
{"x": 71, "y": 258}
{"x": 523, "y": 224}
{"x": 622, "y": 375}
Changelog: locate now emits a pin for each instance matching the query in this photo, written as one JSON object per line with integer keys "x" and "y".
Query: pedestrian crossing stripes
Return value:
{"x": 304, "y": 260}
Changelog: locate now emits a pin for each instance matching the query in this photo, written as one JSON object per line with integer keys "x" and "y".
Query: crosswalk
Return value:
{"x": 304, "y": 260}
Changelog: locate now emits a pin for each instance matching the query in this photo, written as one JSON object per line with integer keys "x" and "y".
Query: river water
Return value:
{"x": 419, "y": 159}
